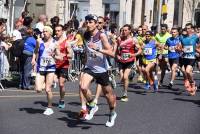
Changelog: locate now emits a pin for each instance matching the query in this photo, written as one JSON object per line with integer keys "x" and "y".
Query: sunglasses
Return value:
{"x": 100, "y": 22}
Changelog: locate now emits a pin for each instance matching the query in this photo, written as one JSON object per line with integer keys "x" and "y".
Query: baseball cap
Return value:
{"x": 91, "y": 17}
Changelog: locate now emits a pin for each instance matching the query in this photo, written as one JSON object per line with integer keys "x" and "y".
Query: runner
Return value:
{"x": 62, "y": 66}
{"x": 173, "y": 46}
{"x": 190, "y": 44}
{"x": 140, "y": 39}
{"x": 149, "y": 61}
{"x": 97, "y": 47}
{"x": 126, "y": 57}
{"x": 46, "y": 52}
{"x": 110, "y": 60}
{"x": 162, "y": 53}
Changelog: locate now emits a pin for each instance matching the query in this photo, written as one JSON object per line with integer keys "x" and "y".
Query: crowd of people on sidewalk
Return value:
{"x": 48, "y": 51}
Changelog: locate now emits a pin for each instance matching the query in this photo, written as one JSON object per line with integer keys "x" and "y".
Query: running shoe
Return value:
{"x": 92, "y": 111}
{"x": 193, "y": 89}
{"x": 144, "y": 81}
{"x": 147, "y": 86}
{"x": 124, "y": 98}
{"x": 140, "y": 78}
{"x": 187, "y": 85}
{"x": 83, "y": 113}
{"x": 48, "y": 111}
{"x": 111, "y": 121}
{"x": 160, "y": 84}
{"x": 170, "y": 85}
{"x": 61, "y": 104}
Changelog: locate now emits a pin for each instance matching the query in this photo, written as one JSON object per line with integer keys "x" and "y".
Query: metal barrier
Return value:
{"x": 74, "y": 71}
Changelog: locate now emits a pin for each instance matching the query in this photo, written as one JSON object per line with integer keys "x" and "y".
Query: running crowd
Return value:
{"x": 48, "y": 50}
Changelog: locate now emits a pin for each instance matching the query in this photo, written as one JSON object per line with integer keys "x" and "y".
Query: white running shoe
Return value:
{"x": 111, "y": 121}
{"x": 91, "y": 113}
{"x": 48, "y": 111}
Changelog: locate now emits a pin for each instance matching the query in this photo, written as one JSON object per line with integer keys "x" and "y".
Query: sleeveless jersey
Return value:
{"x": 125, "y": 49}
{"x": 46, "y": 61}
{"x": 96, "y": 61}
{"x": 149, "y": 50}
{"x": 65, "y": 62}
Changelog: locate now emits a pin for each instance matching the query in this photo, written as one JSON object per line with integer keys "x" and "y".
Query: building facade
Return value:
{"x": 135, "y": 12}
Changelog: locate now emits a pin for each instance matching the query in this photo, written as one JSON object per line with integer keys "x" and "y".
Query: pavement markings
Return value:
{"x": 28, "y": 91}
{"x": 33, "y": 95}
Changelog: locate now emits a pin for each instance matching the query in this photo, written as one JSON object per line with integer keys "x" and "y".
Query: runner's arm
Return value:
{"x": 138, "y": 47}
{"x": 35, "y": 53}
{"x": 107, "y": 49}
{"x": 198, "y": 48}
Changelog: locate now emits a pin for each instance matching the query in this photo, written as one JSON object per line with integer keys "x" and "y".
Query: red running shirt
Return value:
{"x": 65, "y": 62}
{"x": 125, "y": 48}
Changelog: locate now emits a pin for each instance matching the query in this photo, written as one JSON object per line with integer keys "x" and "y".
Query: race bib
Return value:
{"x": 125, "y": 56}
{"x": 172, "y": 49}
{"x": 188, "y": 49}
{"x": 147, "y": 51}
{"x": 92, "y": 55}
{"x": 46, "y": 61}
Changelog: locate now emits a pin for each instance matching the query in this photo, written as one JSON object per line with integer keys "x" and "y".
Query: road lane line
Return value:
{"x": 30, "y": 91}
{"x": 34, "y": 96}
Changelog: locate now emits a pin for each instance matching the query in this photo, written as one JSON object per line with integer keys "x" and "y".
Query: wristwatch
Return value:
{"x": 97, "y": 49}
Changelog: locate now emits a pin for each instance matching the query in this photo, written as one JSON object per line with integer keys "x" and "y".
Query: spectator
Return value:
{"x": 75, "y": 23}
{"x": 4, "y": 65}
{"x": 41, "y": 22}
{"x": 54, "y": 22}
{"x": 16, "y": 34}
{"x": 26, "y": 24}
{"x": 25, "y": 60}
{"x": 21, "y": 18}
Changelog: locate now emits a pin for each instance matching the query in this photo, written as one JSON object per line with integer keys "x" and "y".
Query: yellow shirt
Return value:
{"x": 162, "y": 38}
{"x": 80, "y": 40}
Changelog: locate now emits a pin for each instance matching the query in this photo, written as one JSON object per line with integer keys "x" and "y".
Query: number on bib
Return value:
{"x": 46, "y": 61}
{"x": 147, "y": 51}
{"x": 125, "y": 56}
{"x": 188, "y": 49}
{"x": 172, "y": 49}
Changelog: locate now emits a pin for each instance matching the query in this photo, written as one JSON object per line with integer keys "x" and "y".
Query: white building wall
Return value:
{"x": 170, "y": 13}
{"x": 125, "y": 12}
{"x": 5, "y": 12}
{"x": 149, "y": 8}
{"x": 51, "y": 8}
{"x": 96, "y": 7}
{"x": 138, "y": 13}
{"x": 187, "y": 11}
{"x": 188, "y": 8}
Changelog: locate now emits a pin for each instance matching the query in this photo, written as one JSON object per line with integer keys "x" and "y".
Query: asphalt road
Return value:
{"x": 165, "y": 112}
